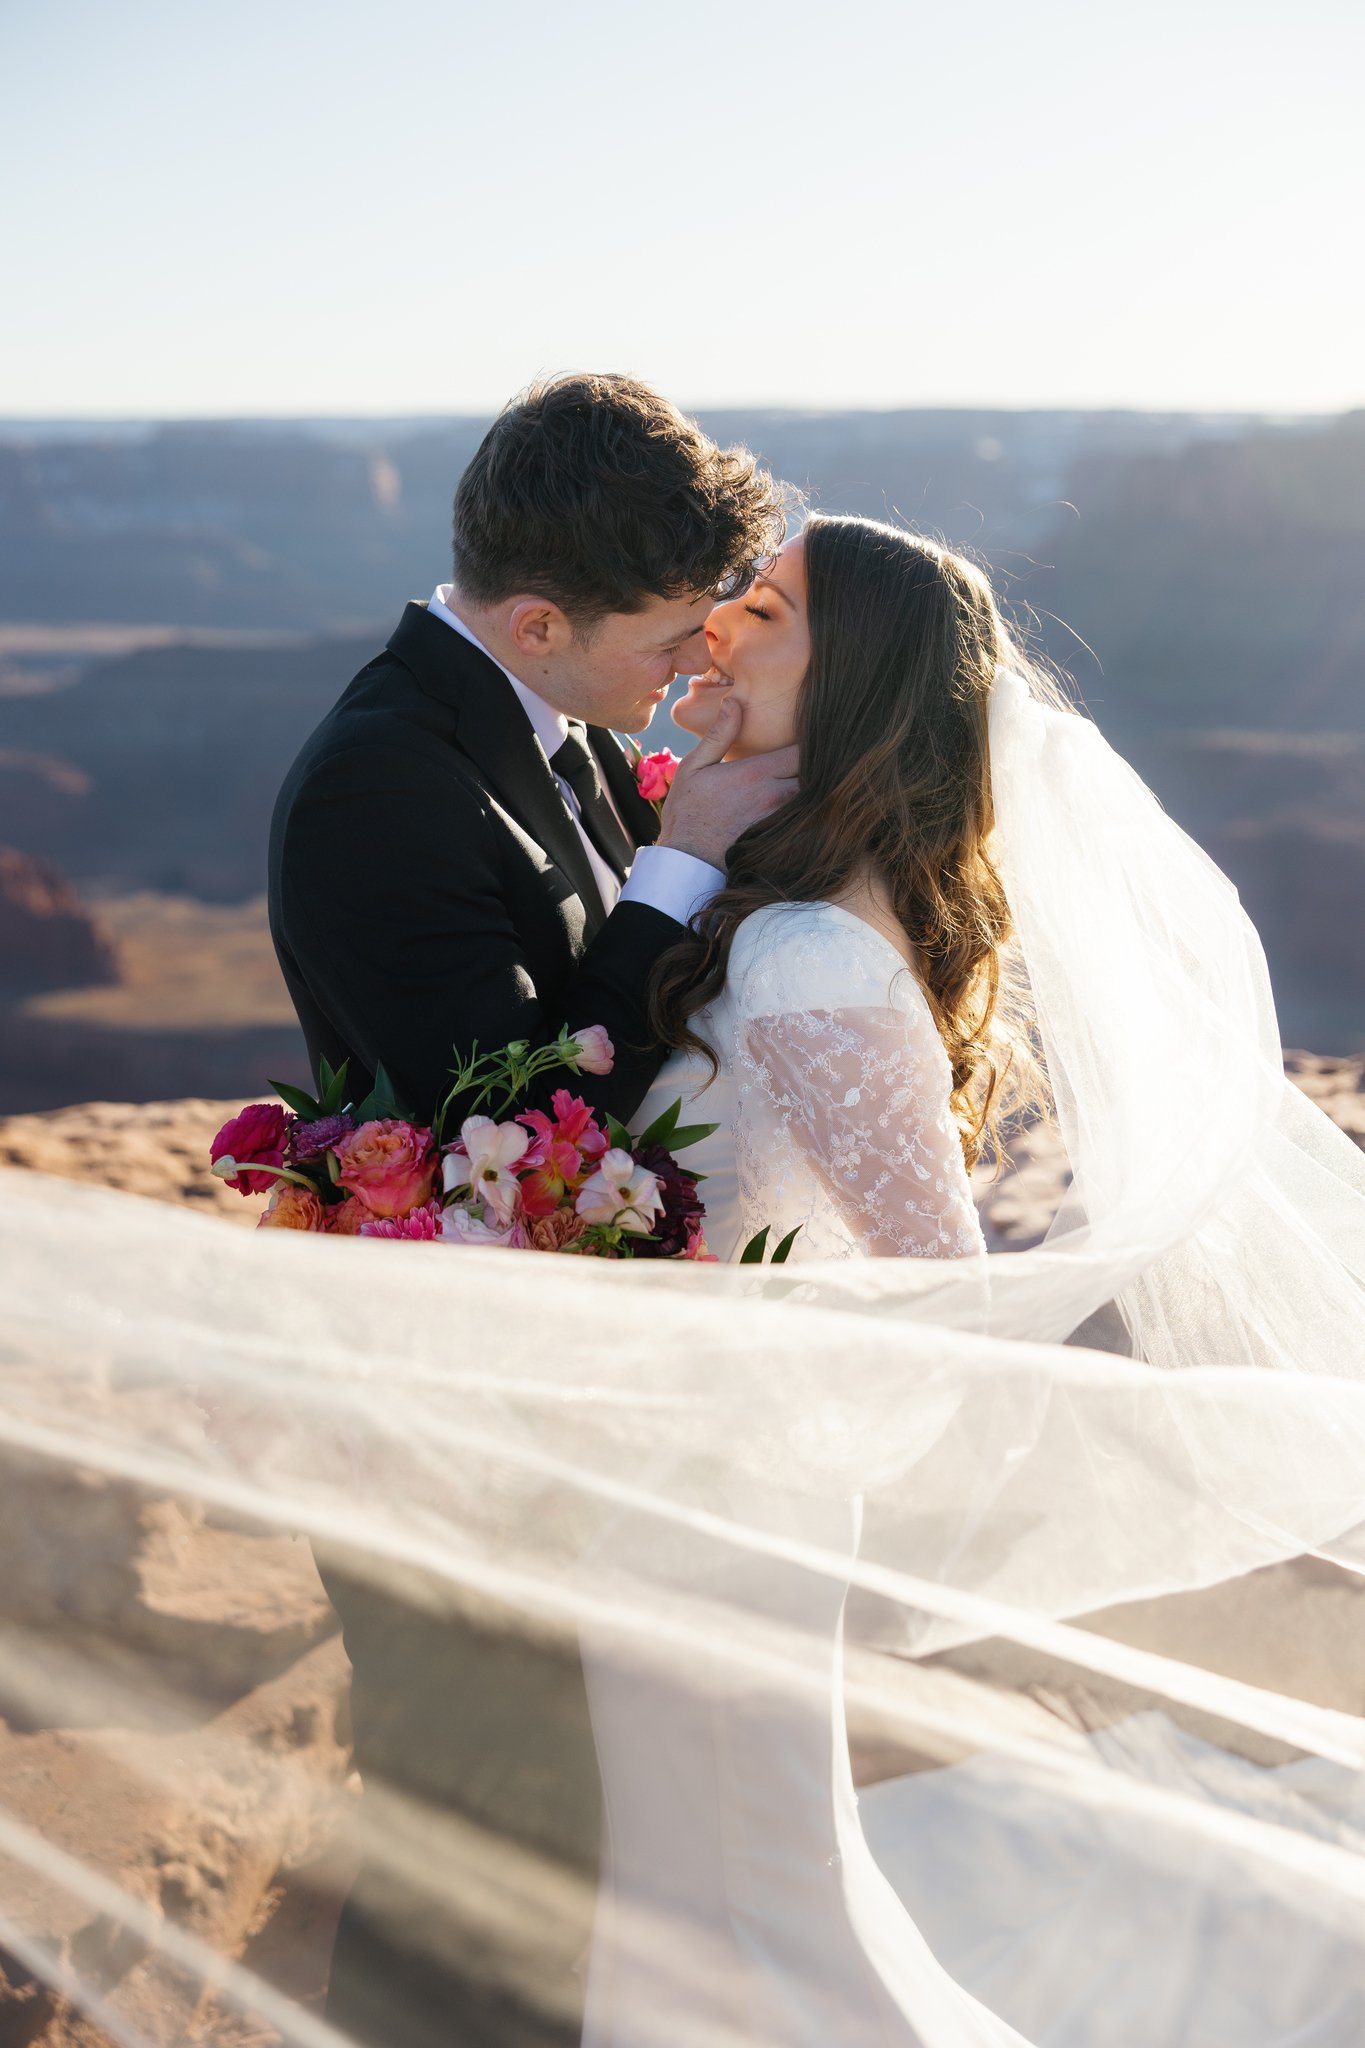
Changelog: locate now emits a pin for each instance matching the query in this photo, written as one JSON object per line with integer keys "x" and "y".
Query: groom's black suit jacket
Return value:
{"x": 429, "y": 888}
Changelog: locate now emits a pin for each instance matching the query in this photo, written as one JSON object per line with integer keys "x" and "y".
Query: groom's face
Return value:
{"x": 618, "y": 672}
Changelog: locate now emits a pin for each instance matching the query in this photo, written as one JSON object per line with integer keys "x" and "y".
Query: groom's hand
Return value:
{"x": 713, "y": 800}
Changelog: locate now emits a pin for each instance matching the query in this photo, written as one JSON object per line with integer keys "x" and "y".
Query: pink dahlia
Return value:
{"x": 423, "y": 1224}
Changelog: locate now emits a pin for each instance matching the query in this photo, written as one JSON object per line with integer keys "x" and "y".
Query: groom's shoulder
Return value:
{"x": 384, "y": 714}
{"x": 383, "y": 737}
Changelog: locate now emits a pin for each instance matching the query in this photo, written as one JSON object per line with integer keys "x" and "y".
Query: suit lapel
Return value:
{"x": 639, "y": 818}
{"x": 495, "y": 732}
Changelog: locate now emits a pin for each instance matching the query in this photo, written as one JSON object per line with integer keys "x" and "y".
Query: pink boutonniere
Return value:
{"x": 653, "y": 774}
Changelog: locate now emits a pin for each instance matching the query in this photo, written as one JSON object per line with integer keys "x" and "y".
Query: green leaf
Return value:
{"x": 326, "y": 1073}
{"x": 752, "y": 1254}
{"x": 334, "y": 1089}
{"x": 619, "y": 1135}
{"x": 333, "y": 1166}
{"x": 381, "y": 1100}
{"x": 295, "y": 1098}
{"x": 662, "y": 1128}
{"x": 690, "y": 1134}
{"x": 779, "y": 1257}
{"x": 383, "y": 1089}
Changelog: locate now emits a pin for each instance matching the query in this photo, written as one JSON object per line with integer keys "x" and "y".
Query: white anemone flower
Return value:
{"x": 622, "y": 1193}
{"x": 491, "y": 1151}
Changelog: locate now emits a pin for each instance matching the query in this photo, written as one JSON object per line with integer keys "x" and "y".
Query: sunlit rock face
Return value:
{"x": 48, "y": 939}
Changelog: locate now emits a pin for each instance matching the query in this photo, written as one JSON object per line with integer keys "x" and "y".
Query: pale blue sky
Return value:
{"x": 289, "y": 206}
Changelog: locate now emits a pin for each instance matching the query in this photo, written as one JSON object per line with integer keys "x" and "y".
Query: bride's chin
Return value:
{"x": 697, "y": 714}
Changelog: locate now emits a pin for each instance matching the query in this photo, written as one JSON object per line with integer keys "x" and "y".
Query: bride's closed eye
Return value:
{"x": 758, "y": 611}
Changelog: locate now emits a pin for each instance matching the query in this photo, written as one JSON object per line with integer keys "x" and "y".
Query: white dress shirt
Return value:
{"x": 677, "y": 883}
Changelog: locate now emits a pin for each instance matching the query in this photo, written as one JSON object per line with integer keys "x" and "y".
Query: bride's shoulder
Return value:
{"x": 815, "y": 955}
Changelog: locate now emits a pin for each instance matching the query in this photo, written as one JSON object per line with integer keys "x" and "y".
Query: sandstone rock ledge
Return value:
{"x": 160, "y": 1149}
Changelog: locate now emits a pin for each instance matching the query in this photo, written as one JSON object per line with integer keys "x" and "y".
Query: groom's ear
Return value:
{"x": 539, "y": 628}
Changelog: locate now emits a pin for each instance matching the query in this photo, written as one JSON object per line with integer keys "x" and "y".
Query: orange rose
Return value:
{"x": 293, "y": 1208}
{"x": 551, "y": 1233}
{"x": 346, "y": 1218}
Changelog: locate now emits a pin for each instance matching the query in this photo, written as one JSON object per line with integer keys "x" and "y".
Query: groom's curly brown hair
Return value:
{"x": 597, "y": 492}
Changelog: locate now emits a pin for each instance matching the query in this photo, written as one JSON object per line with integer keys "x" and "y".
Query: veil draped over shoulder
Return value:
{"x": 1085, "y": 1470}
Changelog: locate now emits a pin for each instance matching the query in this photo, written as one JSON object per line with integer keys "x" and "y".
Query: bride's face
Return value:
{"x": 760, "y": 651}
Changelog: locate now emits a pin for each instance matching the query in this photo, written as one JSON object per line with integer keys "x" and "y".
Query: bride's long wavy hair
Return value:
{"x": 892, "y": 727}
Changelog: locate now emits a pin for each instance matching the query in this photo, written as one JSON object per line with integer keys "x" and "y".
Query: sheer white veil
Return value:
{"x": 1166, "y": 1394}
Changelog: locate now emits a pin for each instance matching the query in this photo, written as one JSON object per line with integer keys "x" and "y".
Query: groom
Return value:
{"x": 459, "y": 853}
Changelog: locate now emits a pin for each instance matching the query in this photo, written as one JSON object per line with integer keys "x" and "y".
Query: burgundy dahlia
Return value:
{"x": 682, "y": 1211}
{"x": 310, "y": 1141}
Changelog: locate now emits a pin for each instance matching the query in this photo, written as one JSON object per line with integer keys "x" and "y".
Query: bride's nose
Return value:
{"x": 715, "y": 628}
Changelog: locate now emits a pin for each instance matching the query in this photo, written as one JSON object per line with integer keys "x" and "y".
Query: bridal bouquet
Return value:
{"x": 521, "y": 1179}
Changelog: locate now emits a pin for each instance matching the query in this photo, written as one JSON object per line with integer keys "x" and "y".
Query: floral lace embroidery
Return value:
{"x": 842, "y": 1121}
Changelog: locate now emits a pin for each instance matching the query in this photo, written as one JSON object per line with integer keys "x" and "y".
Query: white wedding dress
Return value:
{"x": 831, "y": 1099}
{"x": 741, "y": 1906}
{"x": 741, "y": 1903}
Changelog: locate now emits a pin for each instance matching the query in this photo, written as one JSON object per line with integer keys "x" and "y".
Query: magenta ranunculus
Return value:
{"x": 256, "y": 1135}
{"x": 654, "y": 775}
{"x": 423, "y": 1225}
{"x": 389, "y": 1164}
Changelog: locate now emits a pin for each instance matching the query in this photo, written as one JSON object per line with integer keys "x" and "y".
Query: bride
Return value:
{"x": 839, "y": 1014}
{"x": 850, "y": 1013}
{"x": 837, "y": 1017}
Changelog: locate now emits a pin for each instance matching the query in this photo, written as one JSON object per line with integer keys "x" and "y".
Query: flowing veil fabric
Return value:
{"x": 1166, "y": 1396}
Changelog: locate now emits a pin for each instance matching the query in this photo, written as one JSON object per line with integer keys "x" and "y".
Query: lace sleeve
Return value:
{"x": 842, "y": 1117}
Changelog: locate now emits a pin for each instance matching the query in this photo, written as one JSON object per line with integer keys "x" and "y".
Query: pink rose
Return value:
{"x": 654, "y": 775}
{"x": 423, "y": 1224}
{"x": 293, "y": 1208}
{"x": 596, "y": 1054}
{"x": 348, "y": 1218}
{"x": 255, "y": 1136}
{"x": 389, "y": 1164}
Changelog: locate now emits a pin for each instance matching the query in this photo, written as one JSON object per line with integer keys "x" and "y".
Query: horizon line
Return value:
{"x": 804, "y": 410}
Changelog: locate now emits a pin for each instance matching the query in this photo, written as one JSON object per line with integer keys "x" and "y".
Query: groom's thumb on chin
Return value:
{"x": 723, "y": 733}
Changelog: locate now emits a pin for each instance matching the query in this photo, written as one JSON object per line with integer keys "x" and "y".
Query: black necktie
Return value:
{"x": 574, "y": 762}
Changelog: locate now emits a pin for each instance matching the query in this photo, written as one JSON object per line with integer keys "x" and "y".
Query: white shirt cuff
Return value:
{"x": 677, "y": 883}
